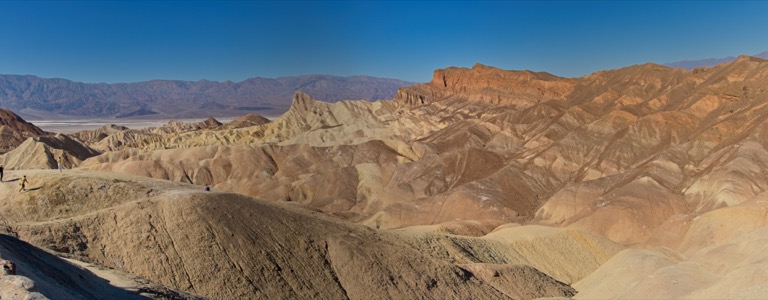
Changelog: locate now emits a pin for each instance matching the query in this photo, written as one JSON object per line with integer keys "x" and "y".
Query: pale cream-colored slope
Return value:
{"x": 626, "y": 208}
{"x": 721, "y": 226}
{"x": 725, "y": 258}
{"x": 735, "y": 174}
{"x": 632, "y": 274}
{"x": 739, "y": 267}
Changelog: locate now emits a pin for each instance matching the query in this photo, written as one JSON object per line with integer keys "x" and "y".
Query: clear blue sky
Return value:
{"x": 128, "y": 41}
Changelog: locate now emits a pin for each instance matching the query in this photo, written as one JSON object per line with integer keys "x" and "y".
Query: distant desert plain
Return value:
{"x": 644, "y": 182}
{"x": 75, "y": 124}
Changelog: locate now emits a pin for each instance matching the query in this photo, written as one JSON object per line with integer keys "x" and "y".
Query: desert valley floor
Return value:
{"x": 644, "y": 182}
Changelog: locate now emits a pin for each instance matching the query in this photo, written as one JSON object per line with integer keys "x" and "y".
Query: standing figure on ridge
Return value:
{"x": 23, "y": 184}
{"x": 1, "y": 173}
{"x": 60, "y": 162}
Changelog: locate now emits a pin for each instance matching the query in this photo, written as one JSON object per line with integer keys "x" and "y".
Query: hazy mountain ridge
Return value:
{"x": 175, "y": 98}
{"x": 708, "y": 62}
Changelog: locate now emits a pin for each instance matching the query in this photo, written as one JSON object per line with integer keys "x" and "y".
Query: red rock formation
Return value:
{"x": 489, "y": 85}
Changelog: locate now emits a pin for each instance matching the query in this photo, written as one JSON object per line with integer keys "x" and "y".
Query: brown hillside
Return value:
{"x": 14, "y": 130}
{"x": 177, "y": 234}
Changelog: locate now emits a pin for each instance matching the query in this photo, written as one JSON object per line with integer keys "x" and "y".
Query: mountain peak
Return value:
{"x": 14, "y": 130}
{"x": 747, "y": 58}
{"x": 14, "y": 121}
{"x": 711, "y": 62}
{"x": 302, "y": 102}
{"x": 480, "y": 66}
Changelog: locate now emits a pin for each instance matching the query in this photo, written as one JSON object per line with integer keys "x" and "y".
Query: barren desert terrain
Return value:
{"x": 635, "y": 183}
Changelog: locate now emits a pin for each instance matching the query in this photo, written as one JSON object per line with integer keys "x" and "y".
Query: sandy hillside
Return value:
{"x": 647, "y": 178}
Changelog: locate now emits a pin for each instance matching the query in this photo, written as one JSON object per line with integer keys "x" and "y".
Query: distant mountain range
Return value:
{"x": 40, "y": 98}
{"x": 36, "y": 97}
{"x": 709, "y": 62}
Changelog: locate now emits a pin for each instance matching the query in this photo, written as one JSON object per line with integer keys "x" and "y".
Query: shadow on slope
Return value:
{"x": 55, "y": 277}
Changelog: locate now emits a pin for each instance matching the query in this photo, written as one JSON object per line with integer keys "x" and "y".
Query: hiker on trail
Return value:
{"x": 1, "y": 173}
{"x": 207, "y": 188}
{"x": 60, "y": 162}
{"x": 23, "y": 184}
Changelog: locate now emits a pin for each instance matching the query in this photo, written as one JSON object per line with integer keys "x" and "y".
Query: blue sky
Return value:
{"x": 128, "y": 41}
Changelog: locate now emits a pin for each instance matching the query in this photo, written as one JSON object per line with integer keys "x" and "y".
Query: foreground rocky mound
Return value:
{"x": 227, "y": 246}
